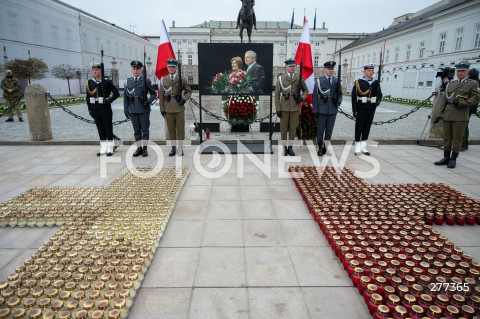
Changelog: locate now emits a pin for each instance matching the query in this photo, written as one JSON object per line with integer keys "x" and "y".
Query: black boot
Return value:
{"x": 453, "y": 160}
{"x": 445, "y": 159}
{"x": 320, "y": 149}
{"x": 173, "y": 151}
{"x": 285, "y": 151}
{"x": 138, "y": 152}
{"x": 144, "y": 151}
{"x": 290, "y": 151}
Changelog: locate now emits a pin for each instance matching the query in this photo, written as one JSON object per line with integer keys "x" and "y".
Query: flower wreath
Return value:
{"x": 240, "y": 109}
{"x": 308, "y": 121}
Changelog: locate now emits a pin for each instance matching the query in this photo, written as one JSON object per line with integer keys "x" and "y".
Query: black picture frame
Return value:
{"x": 214, "y": 58}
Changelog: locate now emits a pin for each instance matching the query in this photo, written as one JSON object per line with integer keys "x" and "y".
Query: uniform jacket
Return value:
{"x": 362, "y": 88}
{"x": 14, "y": 84}
{"x": 94, "y": 90}
{"x": 327, "y": 97}
{"x": 257, "y": 72}
{"x": 468, "y": 96}
{"x": 169, "y": 92}
{"x": 133, "y": 99}
{"x": 287, "y": 87}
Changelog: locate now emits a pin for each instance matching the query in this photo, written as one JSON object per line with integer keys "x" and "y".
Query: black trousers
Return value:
{"x": 325, "y": 125}
{"x": 103, "y": 121}
{"x": 363, "y": 124}
{"x": 141, "y": 125}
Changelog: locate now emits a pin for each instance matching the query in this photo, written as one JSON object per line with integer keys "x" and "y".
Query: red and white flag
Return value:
{"x": 165, "y": 52}
{"x": 304, "y": 55}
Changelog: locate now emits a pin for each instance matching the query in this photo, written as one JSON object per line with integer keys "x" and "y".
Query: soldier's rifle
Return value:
{"x": 339, "y": 80}
{"x": 379, "y": 75}
{"x": 179, "y": 96}
{"x": 144, "y": 75}
{"x": 102, "y": 75}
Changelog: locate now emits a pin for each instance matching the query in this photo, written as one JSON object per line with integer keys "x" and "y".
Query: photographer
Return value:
{"x": 446, "y": 75}
{"x": 460, "y": 95}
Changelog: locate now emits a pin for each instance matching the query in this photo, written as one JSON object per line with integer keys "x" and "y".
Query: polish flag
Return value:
{"x": 165, "y": 52}
{"x": 304, "y": 55}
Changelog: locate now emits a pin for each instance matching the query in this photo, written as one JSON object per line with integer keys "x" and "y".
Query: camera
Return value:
{"x": 446, "y": 72}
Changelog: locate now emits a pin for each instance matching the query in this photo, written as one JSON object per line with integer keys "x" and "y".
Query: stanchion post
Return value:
{"x": 38, "y": 113}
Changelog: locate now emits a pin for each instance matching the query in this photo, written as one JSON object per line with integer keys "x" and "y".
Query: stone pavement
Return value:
{"x": 66, "y": 128}
{"x": 236, "y": 246}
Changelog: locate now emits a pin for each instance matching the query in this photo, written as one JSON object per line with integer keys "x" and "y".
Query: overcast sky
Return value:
{"x": 338, "y": 15}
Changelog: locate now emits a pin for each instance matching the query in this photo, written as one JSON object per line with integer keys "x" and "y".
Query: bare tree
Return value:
{"x": 66, "y": 72}
{"x": 31, "y": 69}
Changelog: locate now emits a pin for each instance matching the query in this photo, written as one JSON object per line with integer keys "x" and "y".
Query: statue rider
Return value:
{"x": 252, "y": 3}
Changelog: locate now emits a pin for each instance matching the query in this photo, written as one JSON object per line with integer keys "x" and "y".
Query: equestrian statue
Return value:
{"x": 246, "y": 19}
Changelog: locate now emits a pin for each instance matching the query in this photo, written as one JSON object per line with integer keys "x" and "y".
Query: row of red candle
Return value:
{"x": 341, "y": 252}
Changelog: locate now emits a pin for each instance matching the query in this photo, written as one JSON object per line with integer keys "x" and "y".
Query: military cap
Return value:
{"x": 329, "y": 64}
{"x": 136, "y": 64}
{"x": 464, "y": 65}
{"x": 172, "y": 62}
{"x": 8, "y": 71}
{"x": 96, "y": 66}
{"x": 369, "y": 66}
{"x": 290, "y": 61}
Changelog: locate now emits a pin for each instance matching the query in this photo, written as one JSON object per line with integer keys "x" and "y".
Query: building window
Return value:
{"x": 421, "y": 52}
{"x": 407, "y": 54}
{"x": 190, "y": 59}
{"x": 315, "y": 61}
{"x": 295, "y": 43}
{"x": 317, "y": 44}
{"x": 36, "y": 31}
{"x": 477, "y": 36}
{"x": 458, "y": 39}
{"x": 189, "y": 42}
{"x": 190, "y": 79}
{"x": 282, "y": 44}
{"x": 54, "y": 32}
{"x": 180, "y": 57}
{"x": 443, "y": 38}
{"x": 374, "y": 57}
{"x": 363, "y": 59}
{"x": 397, "y": 53}
{"x": 85, "y": 41}
{"x": 69, "y": 38}
{"x": 368, "y": 58}
{"x": 12, "y": 17}
{"x": 387, "y": 56}
{"x": 429, "y": 84}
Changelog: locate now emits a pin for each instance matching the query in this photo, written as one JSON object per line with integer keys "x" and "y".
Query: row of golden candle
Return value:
{"x": 382, "y": 236}
{"x": 93, "y": 266}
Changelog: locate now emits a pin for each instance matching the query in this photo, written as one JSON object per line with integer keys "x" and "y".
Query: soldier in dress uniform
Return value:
{"x": 174, "y": 92}
{"x": 137, "y": 108}
{"x": 460, "y": 95}
{"x": 366, "y": 96}
{"x": 100, "y": 95}
{"x": 327, "y": 97}
{"x": 289, "y": 93}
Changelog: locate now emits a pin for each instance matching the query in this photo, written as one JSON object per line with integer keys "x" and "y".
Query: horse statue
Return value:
{"x": 246, "y": 19}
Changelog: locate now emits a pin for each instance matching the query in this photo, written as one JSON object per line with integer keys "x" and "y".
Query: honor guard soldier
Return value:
{"x": 327, "y": 97}
{"x": 366, "y": 96}
{"x": 290, "y": 91}
{"x": 460, "y": 95}
{"x": 100, "y": 95}
{"x": 136, "y": 106}
{"x": 174, "y": 92}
